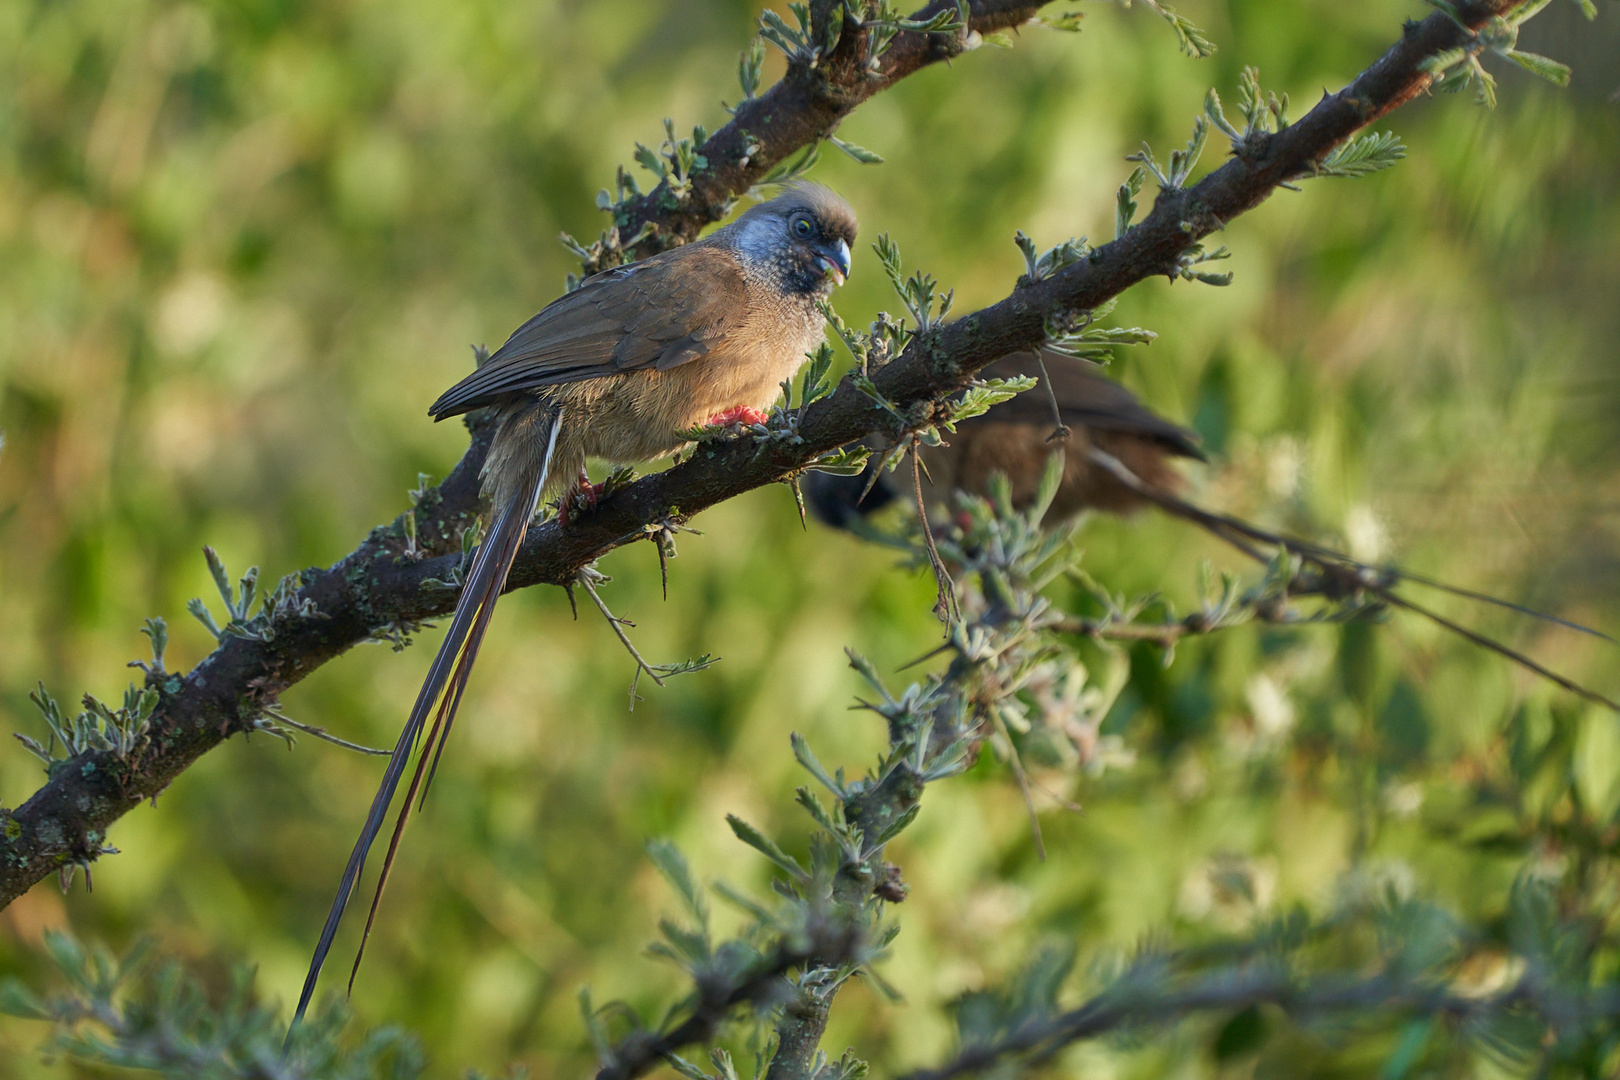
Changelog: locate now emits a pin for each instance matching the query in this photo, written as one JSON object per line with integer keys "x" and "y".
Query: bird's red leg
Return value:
{"x": 584, "y": 492}
{"x": 740, "y": 414}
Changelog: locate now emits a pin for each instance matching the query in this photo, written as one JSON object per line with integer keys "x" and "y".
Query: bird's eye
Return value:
{"x": 802, "y": 228}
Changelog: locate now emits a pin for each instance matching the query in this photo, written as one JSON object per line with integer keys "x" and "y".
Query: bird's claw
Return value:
{"x": 741, "y": 414}
{"x": 579, "y": 499}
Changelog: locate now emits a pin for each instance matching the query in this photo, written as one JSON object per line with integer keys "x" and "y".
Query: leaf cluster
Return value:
{"x": 132, "y": 1012}
{"x": 1460, "y": 68}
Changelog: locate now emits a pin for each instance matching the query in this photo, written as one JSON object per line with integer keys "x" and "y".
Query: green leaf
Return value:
{"x": 817, "y": 811}
{"x": 739, "y": 900}
{"x": 1527, "y": 11}
{"x": 1363, "y": 156}
{"x": 793, "y": 168}
{"x": 1443, "y": 60}
{"x": 1217, "y": 116}
{"x": 898, "y": 825}
{"x": 984, "y": 395}
{"x": 648, "y": 159}
{"x": 1551, "y": 70}
{"x": 688, "y": 945}
{"x": 1125, "y": 202}
{"x": 1484, "y": 83}
{"x": 158, "y": 632}
{"x": 815, "y": 385}
{"x": 1192, "y": 40}
{"x": 766, "y": 847}
{"x": 685, "y": 1068}
{"x": 199, "y": 610}
{"x": 888, "y": 253}
{"x": 844, "y": 461}
{"x": 17, "y": 1000}
{"x": 1051, "y": 479}
{"x": 859, "y": 153}
{"x": 672, "y": 864}
{"x": 222, "y": 580}
{"x": 1068, "y": 21}
{"x": 750, "y": 65}
{"x": 594, "y": 1026}
{"x": 812, "y": 765}
{"x": 1120, "y": 335}
{"x": 1183, "y": 161}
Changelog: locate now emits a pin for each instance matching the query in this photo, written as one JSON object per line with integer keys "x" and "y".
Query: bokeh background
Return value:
{"x": 242, "y": 246}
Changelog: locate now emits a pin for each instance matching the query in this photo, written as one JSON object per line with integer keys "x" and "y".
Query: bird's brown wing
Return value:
{"x": 657, "y": 313}
{"x": 1086, "y": 398}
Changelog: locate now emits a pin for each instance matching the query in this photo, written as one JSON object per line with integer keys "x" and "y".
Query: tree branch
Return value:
{"x": 1229, "y": 991}
{"x": 391, "y": 580}
{"x": 762, "y": 985}
{"x": 807, "y": 105}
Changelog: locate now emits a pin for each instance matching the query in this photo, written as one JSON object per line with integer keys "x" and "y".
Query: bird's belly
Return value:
{"x": 726, "y": 383}
{"x": 640, "y": 416}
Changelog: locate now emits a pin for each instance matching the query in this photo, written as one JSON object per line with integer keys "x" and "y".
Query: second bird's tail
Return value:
{"x": 440, "y": 695}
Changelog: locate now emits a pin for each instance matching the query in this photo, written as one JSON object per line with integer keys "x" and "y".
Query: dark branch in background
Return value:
{"x": 807, "y": 105}
{"x": 1304, "y": 1001}
{"x": 1332, "y": 574}
{"x": 758, "y": 986}
{"x": 394, "y": 580}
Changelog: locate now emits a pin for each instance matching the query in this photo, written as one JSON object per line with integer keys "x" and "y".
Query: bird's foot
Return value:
{"x": 579, "y": 499}
{"x": 741, "y": 414}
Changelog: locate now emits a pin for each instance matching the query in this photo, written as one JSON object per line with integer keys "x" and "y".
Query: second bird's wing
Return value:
{"x": 1086, "y": 398}
{"x": 657, "y": 313}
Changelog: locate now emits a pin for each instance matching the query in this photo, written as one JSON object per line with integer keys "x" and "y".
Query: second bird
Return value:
{"x": 1012, "y": 439}
{"x": 702, "y": 334}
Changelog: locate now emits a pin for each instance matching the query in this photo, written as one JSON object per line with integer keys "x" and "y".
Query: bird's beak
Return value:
{"x": 835, "y": 263}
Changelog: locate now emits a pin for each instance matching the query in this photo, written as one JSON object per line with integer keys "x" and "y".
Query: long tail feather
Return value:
{"x": 1486, "y": 598}
{"x": 433, "y": 745}
{"x": 1238, "y": 532}
{"x": 446, "y": 679}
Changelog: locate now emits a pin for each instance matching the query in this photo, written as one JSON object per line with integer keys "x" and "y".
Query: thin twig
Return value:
{"x": 323, "y": 734}
{"x": 644, "y": 1051}
{"x": 586, "y": 576}
{"x": 945, "y": 605}
{"x": 1060, "y": 431}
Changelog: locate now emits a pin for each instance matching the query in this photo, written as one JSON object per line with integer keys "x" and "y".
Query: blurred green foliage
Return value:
{"x": 243, "y": 244}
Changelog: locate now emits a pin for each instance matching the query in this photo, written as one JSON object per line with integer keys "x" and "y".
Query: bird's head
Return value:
{"x": 801, "y": 239}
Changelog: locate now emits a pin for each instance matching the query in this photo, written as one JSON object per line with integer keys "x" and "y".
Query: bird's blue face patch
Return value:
{"x": 795, "y": 249}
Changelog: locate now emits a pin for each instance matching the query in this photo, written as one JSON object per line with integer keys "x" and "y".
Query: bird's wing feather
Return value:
{"x": 658, "y": 313}
{"x": 1085, "y": 398}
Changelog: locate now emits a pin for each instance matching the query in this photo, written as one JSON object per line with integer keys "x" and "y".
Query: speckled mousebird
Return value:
{"x": 699, "y": 335}
{"x": 1011, "y": 439}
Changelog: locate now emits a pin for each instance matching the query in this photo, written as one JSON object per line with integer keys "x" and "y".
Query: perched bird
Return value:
{"x": 697, "y": 336}
{"x": 1012, "y": 439}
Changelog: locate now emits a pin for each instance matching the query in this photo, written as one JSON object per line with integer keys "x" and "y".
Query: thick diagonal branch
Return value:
{"x": 380, "y": 585}
{"x": 806, "y": 105}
